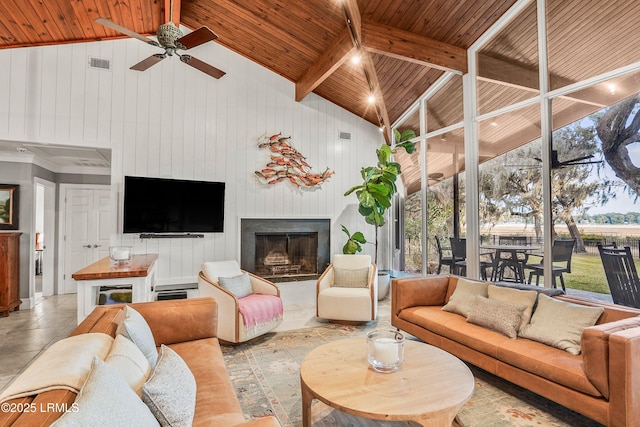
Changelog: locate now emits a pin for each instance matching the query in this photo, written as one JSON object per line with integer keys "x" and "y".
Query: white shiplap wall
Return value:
{"x": 174, "y": 121}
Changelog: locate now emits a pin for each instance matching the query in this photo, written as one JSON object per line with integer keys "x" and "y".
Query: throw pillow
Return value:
{"x": 560, "y": 324}
{"x": 106, "y": 399}
{"x": 170, "y": 392}
{"x": 127, "y": 359}
{"x": 351, "y": 278}
{"x": 463, "y": 298}
{"x": 137, "y": 330}
{"x": 239, "y": 285}
{"x": 499, "y": 316}
{"x": 516, "y": 297}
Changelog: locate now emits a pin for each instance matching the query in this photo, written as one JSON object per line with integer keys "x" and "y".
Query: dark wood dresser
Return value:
{"x": 9, "y": 272}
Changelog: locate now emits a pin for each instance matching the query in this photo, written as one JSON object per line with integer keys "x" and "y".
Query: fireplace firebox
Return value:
{"x": 285, "y": 249}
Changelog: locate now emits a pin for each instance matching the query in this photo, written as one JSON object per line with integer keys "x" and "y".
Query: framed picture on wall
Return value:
{"x": 9, "y": 206}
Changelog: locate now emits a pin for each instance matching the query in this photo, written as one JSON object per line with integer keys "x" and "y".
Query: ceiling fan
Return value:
{"x": 171, "y": 39}
{"x": 557, "y": 164}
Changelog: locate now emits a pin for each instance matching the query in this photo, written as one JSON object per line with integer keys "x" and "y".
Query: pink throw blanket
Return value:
{"x": 259, "y": 308}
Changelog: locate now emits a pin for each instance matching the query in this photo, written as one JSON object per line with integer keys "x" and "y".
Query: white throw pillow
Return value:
{"x": 137, "y": 330}
{"x": 170, "y": 392}
{"x": 239, "y": 285}
{"x": 106, "y": 400}
{"x": 560, "y": 324}
{"x": 127, "y": 359}
{"x": 464, "y": 297}
{"x": 516, "y": 297}
{"x": 351, "y": 278}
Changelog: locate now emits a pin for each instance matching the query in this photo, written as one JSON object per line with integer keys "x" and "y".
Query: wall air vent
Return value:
{"x": 345, "y": 135}
{"x": 103, "y": 64}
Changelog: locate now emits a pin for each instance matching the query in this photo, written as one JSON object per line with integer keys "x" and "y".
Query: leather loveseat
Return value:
{"x": 602, "y": 382}
{"x": 187, "y": 326}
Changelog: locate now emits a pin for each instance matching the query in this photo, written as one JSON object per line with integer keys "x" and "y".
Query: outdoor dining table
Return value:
{"x": 510, "y": 253}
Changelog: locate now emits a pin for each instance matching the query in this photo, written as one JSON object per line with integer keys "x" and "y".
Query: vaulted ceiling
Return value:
{"x": 404, "y": 45}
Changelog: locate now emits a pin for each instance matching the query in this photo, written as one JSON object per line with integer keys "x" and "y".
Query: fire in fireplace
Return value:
{"x": 280, "y": 255}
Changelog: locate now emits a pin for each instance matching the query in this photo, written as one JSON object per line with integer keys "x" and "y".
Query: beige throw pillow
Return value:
{"x": 497, "y": 315}
{"x": 127, "y": 359}
{"x": 464, "y": 297}
{"x": 516, "y": 297}
{"x": 560, "y": 324}
{"x": 351, "y": 278}
{"x": 170, "y": 392}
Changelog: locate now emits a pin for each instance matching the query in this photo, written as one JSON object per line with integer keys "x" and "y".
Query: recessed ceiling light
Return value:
{"x": 371, "y": 99}
{"x": 355, "y": 59}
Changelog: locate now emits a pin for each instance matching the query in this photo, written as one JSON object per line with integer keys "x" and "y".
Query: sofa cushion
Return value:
{"x": 560, "y": 324}
{"x": 499, "y": 316}
{"x": 170, "y": 392}
{"x": 547, "y": 362}
{"x": 106, "y": 396}
{"x": 463, "y": 298}
{"x": 517, "y": 297}
{"x": 351, "y": 278}
{"x": 216, "y": 402}
{"x": 127, "y": 359}
{"x": 135, "y": 328}
{"x": 239, "y": 285}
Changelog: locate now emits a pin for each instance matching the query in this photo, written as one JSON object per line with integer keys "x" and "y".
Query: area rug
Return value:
{"x": 265, "y": 375}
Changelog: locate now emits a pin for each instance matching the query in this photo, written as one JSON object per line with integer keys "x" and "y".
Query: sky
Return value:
{"x": 623, "y": 203}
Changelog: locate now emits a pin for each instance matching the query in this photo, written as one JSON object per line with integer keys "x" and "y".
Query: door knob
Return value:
{"x": 97, "y": 246}
{"x": 86, "y": 246}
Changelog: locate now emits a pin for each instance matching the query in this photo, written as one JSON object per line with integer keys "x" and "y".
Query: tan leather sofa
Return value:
{"x": 189, "y": 327}
{"x": 602, "y": 383}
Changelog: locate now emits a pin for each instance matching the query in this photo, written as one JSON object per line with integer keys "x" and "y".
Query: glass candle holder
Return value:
{"x": 119, "y": 254}
{"x": 385, "y": 350}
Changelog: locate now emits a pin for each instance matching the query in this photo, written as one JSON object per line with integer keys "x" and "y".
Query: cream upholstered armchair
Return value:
{"x": 248, "y": 305}
{"x": 348, "y": 289}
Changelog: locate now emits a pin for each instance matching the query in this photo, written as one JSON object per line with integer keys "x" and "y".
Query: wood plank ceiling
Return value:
{"x": 404, "y": 45}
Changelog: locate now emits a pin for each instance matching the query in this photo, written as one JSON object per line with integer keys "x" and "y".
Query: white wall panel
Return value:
{"x": 174, "y": 121}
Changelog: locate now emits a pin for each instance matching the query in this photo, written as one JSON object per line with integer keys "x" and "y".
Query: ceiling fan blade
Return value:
{"x": 202, "y": 66}
{"x": 123, "y": 30}
{"x": 150, "y": 61}
{"x": 196, "y": 38}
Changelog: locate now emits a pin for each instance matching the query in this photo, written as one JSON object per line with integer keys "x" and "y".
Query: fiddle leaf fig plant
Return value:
{"x": 378, "y": 187}
{"x": 354, "y": 242}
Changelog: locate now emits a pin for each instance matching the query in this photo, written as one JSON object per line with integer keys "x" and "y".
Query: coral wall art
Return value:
{"x": 287, "y": 164}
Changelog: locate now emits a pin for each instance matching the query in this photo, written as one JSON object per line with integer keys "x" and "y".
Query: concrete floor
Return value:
{"x": 26, "y": 333}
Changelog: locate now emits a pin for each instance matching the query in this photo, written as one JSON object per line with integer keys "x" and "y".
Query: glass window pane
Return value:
{"x": 595, "y": 195}
{"x": 585, "y": 41}
{"x": 508, "y": 64}
{"x": 445, "y": 108}
{"x": 412, "y": 121}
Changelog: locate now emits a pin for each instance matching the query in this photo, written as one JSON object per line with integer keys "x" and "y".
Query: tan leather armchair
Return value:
{"x": 340, "y": 297}
{"x": 231, "y": 322}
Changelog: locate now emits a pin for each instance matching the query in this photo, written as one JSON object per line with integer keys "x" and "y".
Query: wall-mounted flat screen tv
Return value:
{"x": 158, "y": 205}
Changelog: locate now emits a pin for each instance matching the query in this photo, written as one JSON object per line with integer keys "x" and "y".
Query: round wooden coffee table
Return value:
{"x": 429, "y": 388}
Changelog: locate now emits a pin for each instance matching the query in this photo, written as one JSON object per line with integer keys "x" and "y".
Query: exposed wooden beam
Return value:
{"x": 408, "y": 46}
{"x": 329, "y": 61}
{"x": 354, "y": 24}
{"x": 379, "y": 105}
{"x": 172, "y": 11}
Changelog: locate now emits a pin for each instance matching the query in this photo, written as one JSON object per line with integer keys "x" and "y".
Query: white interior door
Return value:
{"x": 88, "y": 226}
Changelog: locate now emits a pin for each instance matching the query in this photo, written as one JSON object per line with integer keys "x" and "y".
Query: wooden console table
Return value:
{"x": 139, "y": 273}
{"x": 9, "y": 272}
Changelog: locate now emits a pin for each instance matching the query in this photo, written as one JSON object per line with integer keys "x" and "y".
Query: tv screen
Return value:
{"x": 157, "y": 205}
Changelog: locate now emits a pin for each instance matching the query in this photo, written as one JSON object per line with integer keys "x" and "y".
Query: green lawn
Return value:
{"x": 587, "y": 274}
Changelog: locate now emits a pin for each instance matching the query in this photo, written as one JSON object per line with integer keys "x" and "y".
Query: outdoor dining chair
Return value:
{"x": 442, "y": 258}
{"x": 459, "y": 253}
{"x": 561, "y": 253}
{"x": 622, "y": 275}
